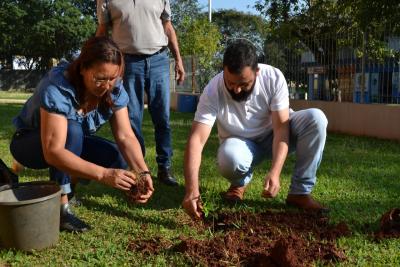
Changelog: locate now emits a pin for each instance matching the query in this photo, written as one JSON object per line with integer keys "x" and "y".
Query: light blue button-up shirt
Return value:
{"x": 55, "y": 94}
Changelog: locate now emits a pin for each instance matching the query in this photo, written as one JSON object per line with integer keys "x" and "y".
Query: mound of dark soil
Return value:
{"x": 263, "y": 239}
{"x": 389, "y": 225}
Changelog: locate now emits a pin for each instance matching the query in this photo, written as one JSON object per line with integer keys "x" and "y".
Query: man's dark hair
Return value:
{"x": 239, "y": 54}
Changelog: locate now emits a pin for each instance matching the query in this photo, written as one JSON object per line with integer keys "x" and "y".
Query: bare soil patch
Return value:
{"x": 258, "y": 239}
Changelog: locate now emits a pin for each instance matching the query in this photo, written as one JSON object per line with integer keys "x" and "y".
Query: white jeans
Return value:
{"x": 237, "y": 157}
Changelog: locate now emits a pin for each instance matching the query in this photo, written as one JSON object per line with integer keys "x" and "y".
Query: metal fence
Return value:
{"x": 192, "y": 82}
{"x": 361, "y": 67}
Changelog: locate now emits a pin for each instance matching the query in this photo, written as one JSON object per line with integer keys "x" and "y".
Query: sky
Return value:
{"x": 239, "y": 5}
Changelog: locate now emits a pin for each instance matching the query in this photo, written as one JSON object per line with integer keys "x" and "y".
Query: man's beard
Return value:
{"x": 243, "y": 95}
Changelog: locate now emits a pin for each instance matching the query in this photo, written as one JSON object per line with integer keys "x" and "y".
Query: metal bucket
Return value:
{"x": 30, "y": 216}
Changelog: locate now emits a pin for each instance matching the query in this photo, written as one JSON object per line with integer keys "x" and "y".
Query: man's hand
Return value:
{"x": 272, "y": 186}
{"x": 192, "y": 206}
{"x": 179, "y": 71}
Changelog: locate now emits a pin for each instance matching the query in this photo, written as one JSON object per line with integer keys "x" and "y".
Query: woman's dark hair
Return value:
{"x": 239, "y": 54}
{"x": 96, "y": 50}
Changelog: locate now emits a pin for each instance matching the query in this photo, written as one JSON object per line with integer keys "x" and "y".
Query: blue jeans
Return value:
{"x": 237, "y": 157}
{"x": 150, "y": 74}
{"x": 94, "y": 149}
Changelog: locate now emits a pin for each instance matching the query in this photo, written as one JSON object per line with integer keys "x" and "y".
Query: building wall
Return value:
{"x": 373, "y": 120}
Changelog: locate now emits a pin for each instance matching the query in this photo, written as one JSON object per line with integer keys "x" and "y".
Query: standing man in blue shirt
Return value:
{"x": 143, "y": 30}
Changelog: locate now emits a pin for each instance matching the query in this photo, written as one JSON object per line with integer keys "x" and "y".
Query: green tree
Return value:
{"x": 201, "y": 39}
{"x": 235, "y": 24}
{"x": 326, "y": 27}
{"x": 293, "y": 21}
{"x": 184, "y": 11}
{"x": 88, "y": 8}
{"x": 10, "y": 30}
{"x": 371, "y": 13}
{"x": 44, "y": 29}
{"x": 316, "y": 23}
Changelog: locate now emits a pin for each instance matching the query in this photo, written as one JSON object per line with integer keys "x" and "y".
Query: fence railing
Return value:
{"x": 361, "y": 67}
{"x": 191, "y": 84}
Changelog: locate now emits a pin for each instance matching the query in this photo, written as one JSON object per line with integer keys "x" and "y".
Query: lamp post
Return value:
{"x": 209, "y": 10}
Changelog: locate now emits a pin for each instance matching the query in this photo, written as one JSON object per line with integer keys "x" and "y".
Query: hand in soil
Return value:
{"x": 193, "y": 207}
{"x": 118, "y": 178}
{"x": 272, "y": 186}
{"x": 142, "y": 190}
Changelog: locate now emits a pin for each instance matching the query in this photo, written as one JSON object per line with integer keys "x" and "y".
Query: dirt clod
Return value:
{"x": 284, "y": 251}
{"x": 389, "y": 225}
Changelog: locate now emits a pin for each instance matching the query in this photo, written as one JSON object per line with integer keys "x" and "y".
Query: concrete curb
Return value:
{"x": 12, "y": 101}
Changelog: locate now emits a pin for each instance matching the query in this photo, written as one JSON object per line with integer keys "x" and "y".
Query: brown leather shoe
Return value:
{"x": 234, "y": 193}
{"x": 305, "y": 202}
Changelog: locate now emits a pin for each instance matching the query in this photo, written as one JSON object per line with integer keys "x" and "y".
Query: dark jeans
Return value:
{"x": 26, "y": 148}
{"x": 150, "y": 74}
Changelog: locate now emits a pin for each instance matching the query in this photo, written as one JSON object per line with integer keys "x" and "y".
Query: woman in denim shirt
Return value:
{"x": 56, "y": 126}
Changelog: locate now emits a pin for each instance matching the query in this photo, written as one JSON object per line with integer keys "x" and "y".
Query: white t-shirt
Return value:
{"x": 250, "y": 119}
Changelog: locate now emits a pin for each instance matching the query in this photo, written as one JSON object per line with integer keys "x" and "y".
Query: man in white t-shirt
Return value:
{"x": 250, "y": 103}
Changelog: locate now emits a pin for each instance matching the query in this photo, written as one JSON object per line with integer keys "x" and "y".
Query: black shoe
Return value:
{"x": 69, "y": 222}
{"x": 6, "y": 175}
{"x": 165, "y": 176}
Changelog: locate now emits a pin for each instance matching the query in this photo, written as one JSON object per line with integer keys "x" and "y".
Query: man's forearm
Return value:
{"x": 191, "y": 169}
{"x": 279, "y": 150}
{"x": 172, "y": 40}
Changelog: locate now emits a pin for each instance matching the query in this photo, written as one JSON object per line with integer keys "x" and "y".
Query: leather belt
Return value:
{"x": 145, "y": 56}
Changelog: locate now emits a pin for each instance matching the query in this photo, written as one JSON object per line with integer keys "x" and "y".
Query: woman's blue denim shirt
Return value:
{"x": 56, "y": 95}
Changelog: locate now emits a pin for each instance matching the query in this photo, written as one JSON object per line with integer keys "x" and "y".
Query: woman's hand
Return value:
{"x": 118, "y": 178}
{"x": 149, "y": 185}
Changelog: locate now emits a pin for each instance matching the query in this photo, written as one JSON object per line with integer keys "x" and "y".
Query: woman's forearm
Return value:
{"x": 68, "y": 162}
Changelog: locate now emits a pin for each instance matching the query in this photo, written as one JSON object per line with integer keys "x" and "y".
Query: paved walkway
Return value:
{"x": 12, "y": 101}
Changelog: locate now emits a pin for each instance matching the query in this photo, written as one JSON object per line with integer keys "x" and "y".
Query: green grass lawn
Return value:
{"x": 359, "y": 179}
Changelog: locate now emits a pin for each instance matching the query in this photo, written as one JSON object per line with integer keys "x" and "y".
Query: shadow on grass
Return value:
{"x": 139, "y": 217}
{"x": 163, "y": 198}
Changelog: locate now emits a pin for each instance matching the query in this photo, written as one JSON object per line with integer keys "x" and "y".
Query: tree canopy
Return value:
{"x": 295, "y": 20}
{"x": 324, "y": 26}
{"x": 43, "y": 29}
{"x": 201, "y": 39}
{"x": 184, "y": 11}
{"x": 235, "y": 24}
